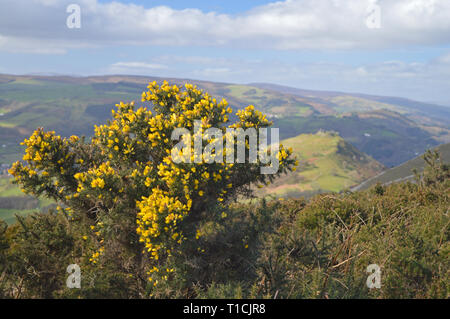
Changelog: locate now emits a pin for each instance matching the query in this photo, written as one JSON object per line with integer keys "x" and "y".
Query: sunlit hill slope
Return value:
{"x": 326, "y": 163}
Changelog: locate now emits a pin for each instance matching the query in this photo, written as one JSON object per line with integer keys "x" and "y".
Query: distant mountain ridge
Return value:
{"x": 390, "y": 133}
{"x": 438, "y": 112}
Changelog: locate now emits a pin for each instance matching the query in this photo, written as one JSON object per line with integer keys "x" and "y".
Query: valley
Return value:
{"x": 341, "y": 139}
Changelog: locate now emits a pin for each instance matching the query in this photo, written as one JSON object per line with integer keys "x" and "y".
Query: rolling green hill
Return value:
{"x": 389, "y": 137}
{"x": 391, "y": 130}
{"x": 405, "y": 171}
{"x": 327, "y": 163}
{"x": 340, "y": 102}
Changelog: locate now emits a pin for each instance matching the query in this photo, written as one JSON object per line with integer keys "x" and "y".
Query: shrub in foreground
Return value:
{"x": 137, "y": 209}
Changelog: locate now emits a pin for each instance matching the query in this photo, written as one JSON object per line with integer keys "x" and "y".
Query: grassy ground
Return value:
{"x": 348, "y": 103}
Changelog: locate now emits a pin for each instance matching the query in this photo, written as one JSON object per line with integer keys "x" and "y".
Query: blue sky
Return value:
{"x": 230, "y": 6}
{"x": 313, "y": 44}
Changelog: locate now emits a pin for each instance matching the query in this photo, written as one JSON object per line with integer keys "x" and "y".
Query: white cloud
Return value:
{"x": 138, "y": 65}
{"x": 290, "y": 24}
{"x": 443, "y": 59}
{"x": 130, "y": 67}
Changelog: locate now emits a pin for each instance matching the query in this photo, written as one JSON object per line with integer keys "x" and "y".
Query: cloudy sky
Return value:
{"x": 314, "y": 44}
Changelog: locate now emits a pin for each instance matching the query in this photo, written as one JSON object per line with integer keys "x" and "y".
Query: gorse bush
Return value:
{"x": 41, "y": 246}
{"x": 143, "y": 208}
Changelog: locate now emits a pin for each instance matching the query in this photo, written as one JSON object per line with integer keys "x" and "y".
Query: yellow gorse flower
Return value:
{"x": 98, "y": 182}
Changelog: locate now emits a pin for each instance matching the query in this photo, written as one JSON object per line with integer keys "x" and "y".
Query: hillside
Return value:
{"x": 388, "y": 137}
{"x": 342, "y": 102}
{"x": 327, "y": 163}
{"x": 390, "y": 130}
{"x": 405, "y": 171}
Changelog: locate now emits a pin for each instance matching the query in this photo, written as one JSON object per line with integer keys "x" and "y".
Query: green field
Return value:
{"x": 7, "y": 189}
{"x": 347, "y": 103}
{"x": 271, "y": 102}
